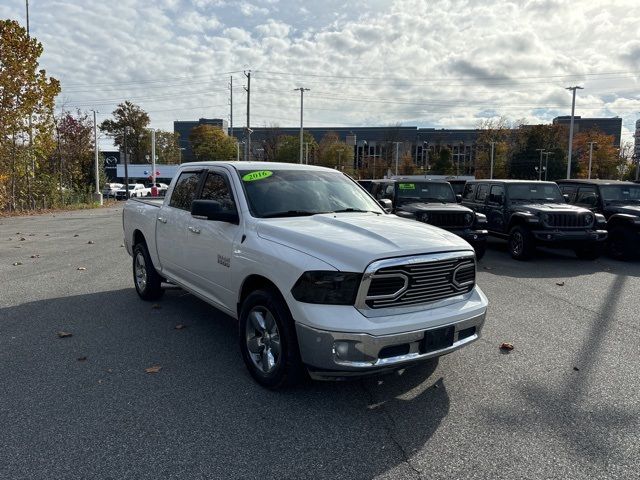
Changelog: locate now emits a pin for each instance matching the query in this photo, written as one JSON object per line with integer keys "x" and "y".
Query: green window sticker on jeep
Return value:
{"x": 259, "y": 175}
{"x": 407, "y": 186}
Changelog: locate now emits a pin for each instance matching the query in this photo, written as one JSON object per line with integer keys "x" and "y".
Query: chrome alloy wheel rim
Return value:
{"x": 141, "y": 272}
{"x": 517, "y": 243}
{"x": 263, "y": 339}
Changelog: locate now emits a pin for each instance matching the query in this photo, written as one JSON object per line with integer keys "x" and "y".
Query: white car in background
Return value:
{"x": 110, "y": 189}
{"x": 135, "y": 190}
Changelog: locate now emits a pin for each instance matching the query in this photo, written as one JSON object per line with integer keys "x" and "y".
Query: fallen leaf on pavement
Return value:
{"x": 154, "y": 369}
{"x": 62, "y": 334}
{"x": 180, "y": 327}
{"x": 35, "y": 256}
{"x": 122, "y": 244}
{"x": 487, "y": 268}
{"x": 76, "y": 235}
{"x": 46, "y": 234}
{"x": 22, "y": 239}
{"x": 82, "y": 268}
{"x": 505, "y": 346}
{"x": 560, "y": 284}
{"x": 15, "y": 264}
{"x": 90, "y": 242}
{"x": 576, "y": 369}
{"x": 82, "y": 359}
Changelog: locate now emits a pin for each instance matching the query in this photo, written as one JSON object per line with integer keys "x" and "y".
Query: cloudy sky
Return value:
{"x": 431, "y": 63}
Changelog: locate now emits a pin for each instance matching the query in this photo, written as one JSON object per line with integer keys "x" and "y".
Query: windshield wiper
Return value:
{"x": 292, "y": 213}
{"x": 349, "y": 210}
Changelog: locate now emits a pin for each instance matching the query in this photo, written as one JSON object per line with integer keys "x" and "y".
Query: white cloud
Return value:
{"x": 443, "y": 63}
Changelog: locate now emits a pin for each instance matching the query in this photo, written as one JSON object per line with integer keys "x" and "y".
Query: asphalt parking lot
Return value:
{"x": 565, "y": 403}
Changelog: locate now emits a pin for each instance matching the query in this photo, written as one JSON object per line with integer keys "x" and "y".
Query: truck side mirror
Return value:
{"x": 566, "y": 197}
{"x": 459, "y": 198}
{"x": 212, "y": 210}
{"x": 386, "y": 204}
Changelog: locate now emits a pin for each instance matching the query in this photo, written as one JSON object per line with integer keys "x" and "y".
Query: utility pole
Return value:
{"x": 339, "y": 158}
{"x": 591, "y": 144}
{"x": 97, "y": 195}
{"x": 302, "y": 90}
{"x": 126, "y": 164}
{"x": 397, "y": 155}
{"x": 247, "y": 139}
{"x": 153, "y": 159}
{"x": 546, "y": 164}
{"x": 573, "y": 108}
{"x": 27, "y": 5}
{"x": 493, "y": 144}
{"x": 306, "y": 153}
{"x": 541, "y": 150}
{"x": 231, "y": 106}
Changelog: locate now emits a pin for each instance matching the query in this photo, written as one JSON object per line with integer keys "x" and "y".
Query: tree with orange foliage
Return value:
{"x": 606, "y": 161}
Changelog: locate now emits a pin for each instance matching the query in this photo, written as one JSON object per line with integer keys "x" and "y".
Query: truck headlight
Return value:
{"x": 326, "y": 287}
{"x": 468, "y": 218}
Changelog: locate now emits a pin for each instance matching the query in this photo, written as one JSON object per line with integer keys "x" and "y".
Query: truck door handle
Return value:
{"x": 193, "y": 229}
{"x": 162, "y": 220}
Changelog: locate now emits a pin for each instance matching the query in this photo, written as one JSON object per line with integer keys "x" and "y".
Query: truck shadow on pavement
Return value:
{"x": 87, "y": 398}
{"x": 551, "y": 263}
{"x": 582, "y": 415}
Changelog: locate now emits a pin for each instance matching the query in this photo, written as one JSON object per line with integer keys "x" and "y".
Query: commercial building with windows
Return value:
{"x": 608, "y": 126}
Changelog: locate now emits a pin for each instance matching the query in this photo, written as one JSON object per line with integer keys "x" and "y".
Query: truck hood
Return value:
{"x": 433, "y": 207}
{"x": 629, "y": 209}
{"x": 350, "y": 241}
{"x": 548, "y": 207}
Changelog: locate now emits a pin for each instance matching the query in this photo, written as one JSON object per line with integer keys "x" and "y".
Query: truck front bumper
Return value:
{"x": 569, "y": 236}
{"x": 335, "y": 355}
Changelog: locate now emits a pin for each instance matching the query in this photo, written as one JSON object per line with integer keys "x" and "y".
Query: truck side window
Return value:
{"x": 587, "y": 196}
{"x": 469, "y": 191}
{"x": 569, "y": 190}
{"x": 185, "y": 190}
{"x": 483, "y": 189}
{"x": 216, "y": 188}
{"x": 497, "y": 195}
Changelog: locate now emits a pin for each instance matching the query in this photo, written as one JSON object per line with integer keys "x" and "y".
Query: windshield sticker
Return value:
{"x": 259, "y": 175}
{"x": 407, "y": 186}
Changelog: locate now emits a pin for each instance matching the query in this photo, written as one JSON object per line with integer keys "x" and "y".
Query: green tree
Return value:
{"x": 167, "y": 147}
{"x": 210, "y": 143}
{"x": 27, "y": 99}
{"x": 442, "y": 164}
{"x": 289, "y": 148}
{"x": 334, "y": 153}
{"x": 129, "y": 115}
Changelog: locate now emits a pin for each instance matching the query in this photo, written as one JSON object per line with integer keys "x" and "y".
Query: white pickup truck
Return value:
{"x": 321, "y": 279}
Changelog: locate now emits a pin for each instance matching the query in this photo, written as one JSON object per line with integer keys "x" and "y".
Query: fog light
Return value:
{"x": 341, "y": 349}
{"x": 549, "y": 237}
{"x": 475, "y": 237}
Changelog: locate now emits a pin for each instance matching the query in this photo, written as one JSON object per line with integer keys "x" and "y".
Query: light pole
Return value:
{"x": 591, "y": 144}
{"x": 397, "y": 155}
{"x": 573, "y": 108}
{"x": 541, "y": 150}
{"x": 493, "y": 144}
{"x": 546, "y": 164}
{"x": 97, "y": 196}
{"x": 302, "y": 90}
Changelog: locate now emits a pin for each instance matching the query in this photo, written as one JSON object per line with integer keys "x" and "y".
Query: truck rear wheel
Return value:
{"x": 521, "y": 243}
{"x": 145, "y": 277}
{"x": 268, "y": 340}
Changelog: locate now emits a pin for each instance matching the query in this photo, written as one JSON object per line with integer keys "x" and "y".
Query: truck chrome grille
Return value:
{"x": 568, "y": 220}
{"x": 448, "y": 219}
{"x": 411, "y": 283}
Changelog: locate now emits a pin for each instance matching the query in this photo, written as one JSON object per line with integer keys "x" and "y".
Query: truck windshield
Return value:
{"x": 288, "y": 193}
{"x": 621, "y": 193}
{"x": 438, "y": 192}
{"x": 535, "y": 192}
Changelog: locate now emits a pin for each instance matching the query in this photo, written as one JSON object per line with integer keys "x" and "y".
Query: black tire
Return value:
{"x": 522, "y": 245}
{"x": 588, "y": 252}
{"x": 480, "y": 249}
{"x": 146, "y": 279}
{"x": 621, "y": 244}
{"x": 287, "y": 368}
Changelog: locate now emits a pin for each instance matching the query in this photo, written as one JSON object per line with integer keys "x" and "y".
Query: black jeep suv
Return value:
{"x": 433, "y": 202}
{"x": 531, "y": 213}
{"x": 619, "y": 202}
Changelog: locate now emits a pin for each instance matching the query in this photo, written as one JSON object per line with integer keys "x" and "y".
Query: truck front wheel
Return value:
{"x": 145, "y": 277}
{"x": 268, "y": 341}
{"x": 621, "y": 243}
{"x": 521, "y": 243}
